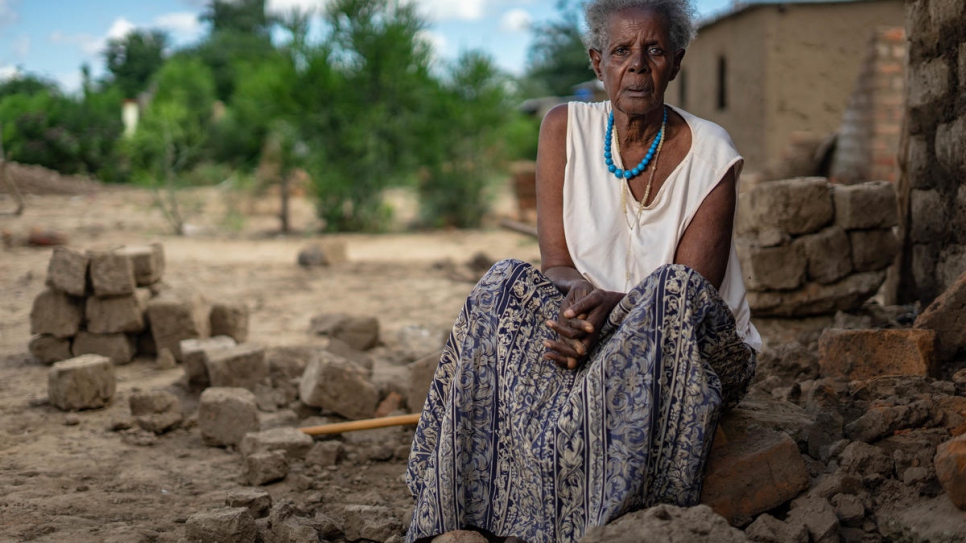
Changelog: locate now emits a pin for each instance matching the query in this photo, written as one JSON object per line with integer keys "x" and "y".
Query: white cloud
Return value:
{"x": 119, "y": 28}
{"x": 516, "y": 20}
{"x": 184, "y": 23}
{"x": 437, "y": 42}
{"x": 441, "y": 10}
{"x": 93, "y": 45}
{"x": 70, "y": 82}
{"x": 9, "y": 72}
{"x": 21, "y": 46}
{"x": 282, "y": 7}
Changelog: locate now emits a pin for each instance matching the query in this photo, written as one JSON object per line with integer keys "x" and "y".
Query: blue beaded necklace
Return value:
{"x": 637, "y": 170}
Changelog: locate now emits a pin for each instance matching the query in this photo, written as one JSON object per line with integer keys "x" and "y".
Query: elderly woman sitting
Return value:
{"x": 569, "y": 396}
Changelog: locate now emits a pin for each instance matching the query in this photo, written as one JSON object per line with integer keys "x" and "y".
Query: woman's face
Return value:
{"x": 637, "y": 61}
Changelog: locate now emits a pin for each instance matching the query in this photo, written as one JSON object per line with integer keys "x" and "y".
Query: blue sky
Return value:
{"x": 53, "y": 38}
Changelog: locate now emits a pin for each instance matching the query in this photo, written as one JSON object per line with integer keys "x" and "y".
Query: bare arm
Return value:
{"x": 706, "y": 244}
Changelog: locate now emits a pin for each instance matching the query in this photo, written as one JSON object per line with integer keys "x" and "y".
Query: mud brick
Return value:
{"x": 371, "y": 522}
{"x": 225, "y": 415}
{"x": 846, "y": 294}
{"x": 866, "y": 205}
{"x": 56, "y": 314}
{"x": 120, "y": 348}
{"x": 114, "y": 315}
{"x": 173, "y": 319}
{"x": 257, "y": 501}
{"x": 946, "y": 315}
{"x": 769, "y": 528}
{"x": 194, "y": 356}
{"x": 230, "y": 320}
{"x": 781, "y": 268}
{"x": 421, "y": 374}
{"x": 795, "y": 206}
{"x": 112, "y": 274}
{"x": 147, "y": 260}
{"x": 325, "y": 453}
{"x": 156, "y": 411}
{"x": 336, "y": 384}
{"x": 865, "y": 354}
{"x": 360, "y": 333}
{"x": 751, "y": 470}
{"x": 241, "y": 366}
{"x": 829, "y": 254}
{"x": 818, "y": 517}
{"x": 950, "y": 462}
{"x": 85, "y": 382}
{"x": 873, "y": 250}
{"x": 265, "y": 467}
{"x": 295, "y": 443}
{"x": 49, "y": 349}
{"x": 225, "y": 525}
{"x": 67, "y": 271}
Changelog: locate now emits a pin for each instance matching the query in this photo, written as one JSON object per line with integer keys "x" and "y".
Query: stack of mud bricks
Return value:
{"x": 808, "y": 247}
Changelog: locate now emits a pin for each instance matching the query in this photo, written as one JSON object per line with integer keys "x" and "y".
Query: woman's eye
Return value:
{"x": 620, "y": 51}
{"x": 655, "y": 51}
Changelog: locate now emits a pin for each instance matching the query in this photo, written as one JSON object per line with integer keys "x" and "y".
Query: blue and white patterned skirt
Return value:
{"x": 511, "y": 443}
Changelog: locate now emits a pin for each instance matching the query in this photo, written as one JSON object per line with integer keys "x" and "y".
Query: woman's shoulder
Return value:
{"x": 709, "y": 141}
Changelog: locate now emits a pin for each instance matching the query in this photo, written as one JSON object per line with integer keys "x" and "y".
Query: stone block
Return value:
{"x": 928, "y": 81}
{"x": 781, "y": 268}
{"x": 828, "y": 254}
{"x": 917, "y": 163}
{"x": 85, "y": 382}
{"x": 325, "y": 453}
{"x": 336, "y": 384}
{"x": 962, "y": 65}
{"x": 49, "y": 349}
{"x": 55, "y": 313}
{"x": 164, "y": 360}
{"x": 928, "y": 208}
{"x": 225, "y": 415}
{"x": 147, "y": 261}
{"x": 950, "y": 462}
{"x": 360, "y": 333}
{"x": 194, "y": 356}
{"x": 814, "y": 298}
{"x": 115, "y": 314}
{"x": 849, "y": 509}
{"x": 112, "y": 274}
{"x": 883, "y": 420}
{"x": 257, "y": 501}
{"x": 949, "y": 146}
{"x": 421, "y": 374}
{"x": 288, "y": 362}
{"x": 241, "y": 366}
{"x": 863, "y": 459}
{"x": 265, "y": 467}
{"x": 156, "y": 411}
{"x": 751, "y": 470}
{"x": 225, "y": 525}
{"x": 873, "y": 250}
{"x": 745, "y": 220}
{"x": 120, "y": 348}
{"x": 767, "y": 528}
{"x": 293, "y": 442}
{"x": 229, "y": 320}
{"x": 369, "y": 522}
{"x": 866, "y": 205}
{"x": 666, "y": 523}
{"x": 943, "y": 12}
{"x": 173, "y": 320}
{"x": 818, "y": 517}
{"x": 866, "y": 354}
{"x": 67, "y": 271}
{"x": 795, "y": 206}
{"x": 946, "y": 316}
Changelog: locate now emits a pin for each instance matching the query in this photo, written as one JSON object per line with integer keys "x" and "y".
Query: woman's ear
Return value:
{"x": 678, "y": 57}
{"x": 595, "y": 62}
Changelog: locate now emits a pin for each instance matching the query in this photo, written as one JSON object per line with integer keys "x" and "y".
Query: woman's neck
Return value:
{"x": 638, "y": 130}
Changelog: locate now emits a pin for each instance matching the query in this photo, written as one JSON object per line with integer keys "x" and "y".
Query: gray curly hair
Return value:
{"x": 680, "y": 15}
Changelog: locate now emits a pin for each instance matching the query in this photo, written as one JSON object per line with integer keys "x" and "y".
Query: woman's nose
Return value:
{"x": 638, "y": 62}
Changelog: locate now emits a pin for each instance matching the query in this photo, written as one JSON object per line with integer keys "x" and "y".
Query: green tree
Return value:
{"x": 242, "y": 16}
{"x": 133, "y": 59}
{"x": 557, "y": 59}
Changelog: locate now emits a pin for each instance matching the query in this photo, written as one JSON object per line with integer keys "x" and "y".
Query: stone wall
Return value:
{"x": 932, "y": 188}
{"x": 808, "y": 247}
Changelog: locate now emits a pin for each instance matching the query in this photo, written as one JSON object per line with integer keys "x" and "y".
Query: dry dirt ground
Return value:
{"x": 69, "y": 477}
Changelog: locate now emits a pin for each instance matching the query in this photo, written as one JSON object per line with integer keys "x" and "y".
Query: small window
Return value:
{"x": 722, "y": 83}
{"x": 683, "y": 89}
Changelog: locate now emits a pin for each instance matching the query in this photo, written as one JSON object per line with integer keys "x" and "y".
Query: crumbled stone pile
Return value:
{"x": 808, "y": 247}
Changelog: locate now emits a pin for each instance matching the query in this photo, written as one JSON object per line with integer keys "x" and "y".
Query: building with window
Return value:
{"x": 775, "y": 73}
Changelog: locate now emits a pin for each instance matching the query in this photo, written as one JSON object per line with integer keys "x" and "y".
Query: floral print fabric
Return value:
{"x": 511, "y": 443}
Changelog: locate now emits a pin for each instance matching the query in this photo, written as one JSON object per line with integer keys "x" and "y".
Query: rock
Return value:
{"x": 225, "y": 525}
{"x": 165, "y": 360}
{"x": 935, "y": 520}
{"x": 377, "y": 445}
{"x": 241, "y": 366}
{"x": 849, "y": 509}
{"x": 795, "y": 206}
{"x": 421, "y": 373}
{"x": 325, "y": 453}
{"x": 229, "y": 320}
{"x": 864, "y": 459}
{"x": 294, "y": 443}
{"x": 817, "y": 515}
{"x": 255, "y": 500}
{"x": 116, "y": 314}
{"x": 915, "y": 475}
{"x": 225, "y": 415}
{"x": 156, "y": 411}
{"x": 946, "y": 315}
{"x": 194, "y": 356}
{"x": 866, "y": 205}
{"x": 873, "y": 250}
{"x": 85, "y": 382}
{"x": 829, "y": 254}
{"x": 112, "y": 274}
{"x": 343, "y": 349}
{"x": 120, "y": 348}
{"x": 816, "y": 299}
{"x": 55, "y": 313}
{"x": 839, "y": 482}
{"x": 779, "y": 268}
{"x": 663, "y": 523}
{"x": 865, "y": 354}
{"x": 881, "y": 421}
{"x": 826, "y": 430}
{"x": 418, "y": 341}
{"x": 173, "y": 320}
{"x": 954, "y": 411}
{"x": 67, "y": 271}
{"x": 375, "y": 523}
{"x": 950, "y": 462}
{"x": 265, "y": 467}
{"x": 336, "y": 384}
{"x": 288, "y": 362}
{"x": 768, "y": 529}
{"x": 390, "y": 404}
{"x": 313, "y": 256}
{"x": 360, "y": 333}
{"x": 49, "y": 349}
{"x": 147, "y": 261}
{"x": 460, "y": 536}
{"x": 756, "y": 412}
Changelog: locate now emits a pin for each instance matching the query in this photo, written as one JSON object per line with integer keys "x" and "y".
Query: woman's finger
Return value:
{"x": 567, "y": 329}
{"x": 561, "y": 348}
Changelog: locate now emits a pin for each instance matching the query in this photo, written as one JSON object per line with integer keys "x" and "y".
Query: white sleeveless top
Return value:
{"x": 596, "y": 228}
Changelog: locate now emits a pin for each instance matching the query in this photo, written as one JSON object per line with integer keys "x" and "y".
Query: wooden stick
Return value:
{"x": 367, "y": 424}
{"x": 520, "y": 227}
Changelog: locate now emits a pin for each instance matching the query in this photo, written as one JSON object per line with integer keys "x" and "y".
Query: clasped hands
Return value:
{"x": 583, "y": 312}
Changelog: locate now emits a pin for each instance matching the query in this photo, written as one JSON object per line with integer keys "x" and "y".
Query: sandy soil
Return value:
{"x": 69, "y": 477}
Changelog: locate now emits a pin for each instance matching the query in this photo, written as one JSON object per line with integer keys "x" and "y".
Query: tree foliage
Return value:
{"x": 557, "y": 59}
{"x": 133, "y": 59}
